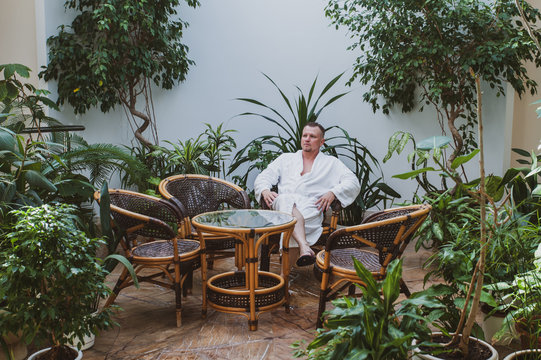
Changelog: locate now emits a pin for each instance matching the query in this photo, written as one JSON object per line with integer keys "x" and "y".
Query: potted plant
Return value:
{"x": 373, "y": 326}
{"x": 50, "y": 278}
{"x": 523, "y": 305}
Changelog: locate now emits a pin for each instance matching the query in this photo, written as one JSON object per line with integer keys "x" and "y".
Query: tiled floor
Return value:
{"x": 148, "y": 328}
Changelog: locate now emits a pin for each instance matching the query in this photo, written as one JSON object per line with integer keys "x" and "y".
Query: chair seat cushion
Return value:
{"x": 164, "y": 249}
{"x": 342, "y": 258}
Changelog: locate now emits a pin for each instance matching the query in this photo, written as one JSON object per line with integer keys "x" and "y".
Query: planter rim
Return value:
{"x": 418, "y": 355}
{"x": 34, "y": 355}
{"x": 514, "y": 354}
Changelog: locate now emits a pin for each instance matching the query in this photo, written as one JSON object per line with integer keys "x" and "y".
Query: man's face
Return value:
{"x": 312, "y": 139}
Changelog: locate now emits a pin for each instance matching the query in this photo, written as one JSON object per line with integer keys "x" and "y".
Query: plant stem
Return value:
{"x": 483, "y": 235}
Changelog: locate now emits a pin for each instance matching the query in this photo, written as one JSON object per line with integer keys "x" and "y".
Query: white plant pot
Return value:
{"x": 88, "y": 340}
{"x": 418, "y": 356}
{"x": 492, "y": 325}
{"x": 36, "y": 354}
{"x": 515, "y": 355}
{"x": 87, "y": 343}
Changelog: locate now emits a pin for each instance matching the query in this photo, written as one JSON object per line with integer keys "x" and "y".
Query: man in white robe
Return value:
{"x": 308, "y": 182}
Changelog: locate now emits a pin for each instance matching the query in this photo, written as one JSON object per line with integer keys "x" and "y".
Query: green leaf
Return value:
{"x": 7, "y": 140}
{"x": 433, "y": 143}
{"x": 414, "y": 173}
{"x": 463, "y": 159}
{"x": 36, "y": 179}
{"x": 127, "y": 264}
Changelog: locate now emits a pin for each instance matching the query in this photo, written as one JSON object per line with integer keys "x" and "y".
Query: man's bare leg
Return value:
{"x": 299, "y": 235}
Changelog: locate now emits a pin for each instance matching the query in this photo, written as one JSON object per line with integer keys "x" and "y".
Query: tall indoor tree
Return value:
{"x": 420, "y": 52}
{"x": 113, "y": 51}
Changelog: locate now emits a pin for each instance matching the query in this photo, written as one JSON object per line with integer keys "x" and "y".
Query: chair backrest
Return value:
{"x": 143, "y": 215}
{"x": 200, "y": 193}
{"x": 388, "y": 231}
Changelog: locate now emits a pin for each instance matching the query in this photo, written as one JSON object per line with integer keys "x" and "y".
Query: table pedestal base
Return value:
{"x": 228, "y": 292}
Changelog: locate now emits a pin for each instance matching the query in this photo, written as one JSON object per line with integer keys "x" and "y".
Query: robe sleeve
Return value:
{"x": 268, "y": 177}
{"x": 348, "y": 186}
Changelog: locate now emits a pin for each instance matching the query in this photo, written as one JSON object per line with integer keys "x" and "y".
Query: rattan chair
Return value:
{"x": 330, "y": 222}
{"x": 199, "y": 194}
{"x": 152, "y": 245}
{"x": 381, "y": 238}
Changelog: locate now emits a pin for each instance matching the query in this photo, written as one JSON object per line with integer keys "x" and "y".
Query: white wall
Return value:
{"x": 234, "y": 41}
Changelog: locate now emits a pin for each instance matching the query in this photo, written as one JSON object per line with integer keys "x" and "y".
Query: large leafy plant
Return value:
{"x": 417, "y": 53}
{"x": 461, "y": 337}
{"x": 114, "y": 51}
{"x": 22, "y": 104}
{"x": 206, "y": 154}
{"x": 261, "y": 151}
{"x": 50, "y": 278}
{"x": 375, "y": 326}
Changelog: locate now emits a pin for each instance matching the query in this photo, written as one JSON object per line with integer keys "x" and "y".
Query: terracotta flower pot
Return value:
{"x": 419, "y": 356}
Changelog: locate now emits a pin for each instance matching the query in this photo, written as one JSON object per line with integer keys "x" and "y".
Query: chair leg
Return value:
{"x": 178, "y": 295}
{"x": 351, "y": 290}
{"x": 321, "y": 308}
{"x": 264, "y": 263}
{"x": 210, "y": 261}
{"x": 404, "y": 288}
{"x": 188, "y": 284}
{"x": 118, "y": 286}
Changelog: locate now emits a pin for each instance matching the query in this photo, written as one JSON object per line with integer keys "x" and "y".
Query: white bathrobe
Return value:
{"x": 327, "y": 174}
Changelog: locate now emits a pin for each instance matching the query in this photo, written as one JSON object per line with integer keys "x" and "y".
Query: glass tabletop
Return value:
{"x": 245, "y": 218}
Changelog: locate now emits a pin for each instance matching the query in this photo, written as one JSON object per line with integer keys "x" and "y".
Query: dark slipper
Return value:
{"x": 306, "y": 260}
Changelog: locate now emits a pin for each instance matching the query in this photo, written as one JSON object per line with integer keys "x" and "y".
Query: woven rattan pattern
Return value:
{"x": 343, "y": 258}
{"x": 203, "y": 195}
{"x": 164, "y": 248}
{"x": 238, "y": 279}
{"x": 145, "y": 206}
{"x": 383, "y": 236}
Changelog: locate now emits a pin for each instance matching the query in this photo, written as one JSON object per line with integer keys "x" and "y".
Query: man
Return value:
{"x": 308, "y": 182}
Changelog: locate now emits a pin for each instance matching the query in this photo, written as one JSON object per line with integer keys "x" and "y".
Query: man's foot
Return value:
{"x": 306, "y": 260}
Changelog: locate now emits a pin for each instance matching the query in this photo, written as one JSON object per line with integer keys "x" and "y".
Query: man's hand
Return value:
{"x": 268, "y": 197}
{"x": 325, "y": 201}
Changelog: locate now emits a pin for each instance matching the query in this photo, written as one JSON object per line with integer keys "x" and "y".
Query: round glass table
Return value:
{"x": 249, "y": 292}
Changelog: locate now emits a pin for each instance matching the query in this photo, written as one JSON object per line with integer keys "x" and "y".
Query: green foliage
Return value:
{"x": 524, "y": 184}
{"x": 375, "y": 326}
{"x": 25, "y": 176}
{"x": 50, "y": 277}
{"x": 112, "y": 52}
{"x": 21, "y": 103}
{"x": 509, "y": 252}
{"x": 261, "y": 151}
{"x": 421, "y": 52}
{"x": 206, "y": 154}
{"x": 523, "y": 299}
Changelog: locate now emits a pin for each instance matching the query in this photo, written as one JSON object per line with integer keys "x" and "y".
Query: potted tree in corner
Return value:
{"x": 50, "y": 278}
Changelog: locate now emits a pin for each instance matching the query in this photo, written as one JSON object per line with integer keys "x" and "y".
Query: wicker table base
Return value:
{"x": 228, "y": 292}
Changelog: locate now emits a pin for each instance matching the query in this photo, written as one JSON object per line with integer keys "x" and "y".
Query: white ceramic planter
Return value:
{"x": 492, "y": 325}
{"x": 36, "y": 354}
{"x": 88, "y": 340}
{"x": 516, "y": 355}
{"x": 418, "y": 356}
{"x": 87, "y": 343}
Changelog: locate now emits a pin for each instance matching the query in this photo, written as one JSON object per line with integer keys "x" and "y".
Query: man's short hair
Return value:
{"x": 318, "y": 125}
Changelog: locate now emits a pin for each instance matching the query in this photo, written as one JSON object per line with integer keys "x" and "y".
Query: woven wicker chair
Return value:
{"x": 388, "y": 232}
{"x": 199, "y": 194}
{"x": 329, "y": 225}
{"x": 172, "y": 260}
